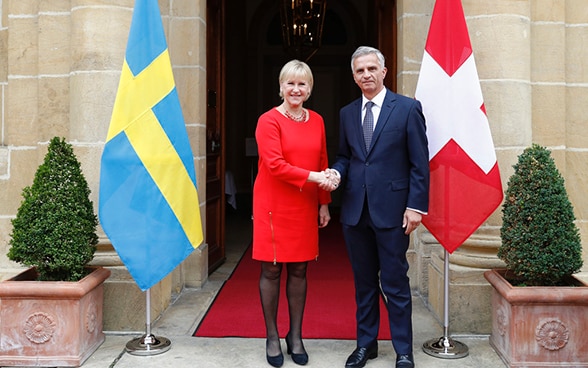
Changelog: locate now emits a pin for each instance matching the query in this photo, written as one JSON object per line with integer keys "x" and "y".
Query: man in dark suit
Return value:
{"x": 383, "y": 165}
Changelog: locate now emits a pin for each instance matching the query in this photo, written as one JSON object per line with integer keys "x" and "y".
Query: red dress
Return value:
{"x": 285, "y": 205}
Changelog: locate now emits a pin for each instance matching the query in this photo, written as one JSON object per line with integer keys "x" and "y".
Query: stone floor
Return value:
{"x": 181, "y": 319}
{"x": 179, "y": 322}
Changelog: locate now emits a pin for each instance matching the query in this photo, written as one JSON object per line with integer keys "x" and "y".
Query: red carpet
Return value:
{"x": 330, "y": 302}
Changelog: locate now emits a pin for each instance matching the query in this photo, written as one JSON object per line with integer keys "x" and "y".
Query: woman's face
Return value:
{"x": 295, "y": 90}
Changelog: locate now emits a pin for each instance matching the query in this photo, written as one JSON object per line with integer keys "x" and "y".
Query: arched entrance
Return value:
{"x": 244, "y": 57}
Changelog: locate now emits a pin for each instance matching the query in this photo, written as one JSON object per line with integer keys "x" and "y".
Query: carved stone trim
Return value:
{"x": 552, "y": 334}
{"x": 39, "y": 328}
{"x": 502, "y": 320}
{"x": 91, "y": 318}
{"x": 478, "y": 251}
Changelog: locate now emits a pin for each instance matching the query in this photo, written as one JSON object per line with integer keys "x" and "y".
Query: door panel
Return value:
{"x": 215, "y": 138}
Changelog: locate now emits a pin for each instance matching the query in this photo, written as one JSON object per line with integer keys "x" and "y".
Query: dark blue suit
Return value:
{"x": 378, "y": 186}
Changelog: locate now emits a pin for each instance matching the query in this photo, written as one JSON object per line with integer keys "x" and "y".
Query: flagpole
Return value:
{"x": 445, "y": 347}
{"x": 148, "y": 344}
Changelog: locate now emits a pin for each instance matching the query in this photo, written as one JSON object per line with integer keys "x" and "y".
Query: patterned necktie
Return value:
{"x": 368, "y": 125}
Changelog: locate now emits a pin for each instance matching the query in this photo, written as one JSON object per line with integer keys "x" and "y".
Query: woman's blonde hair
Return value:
{"x": 296, "y": 69}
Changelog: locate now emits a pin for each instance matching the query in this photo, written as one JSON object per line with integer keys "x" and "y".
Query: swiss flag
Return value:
{"x": 465, "y": 186}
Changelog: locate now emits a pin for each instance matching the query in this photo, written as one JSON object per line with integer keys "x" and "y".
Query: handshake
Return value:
{"x": 329, "y": 179}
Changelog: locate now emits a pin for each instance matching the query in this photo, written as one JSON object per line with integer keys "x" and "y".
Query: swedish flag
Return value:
{"x": 148, "y": 201}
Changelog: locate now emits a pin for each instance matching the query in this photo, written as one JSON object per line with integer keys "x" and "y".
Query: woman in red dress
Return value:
{"x": 290, "y": 203}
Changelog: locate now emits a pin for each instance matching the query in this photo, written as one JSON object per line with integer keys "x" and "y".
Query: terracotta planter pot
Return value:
{"x": 50, "y": 323}
{"x": 539, "y": 326}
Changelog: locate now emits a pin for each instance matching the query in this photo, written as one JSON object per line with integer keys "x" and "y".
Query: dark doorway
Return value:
{"x": 250, "y": 59}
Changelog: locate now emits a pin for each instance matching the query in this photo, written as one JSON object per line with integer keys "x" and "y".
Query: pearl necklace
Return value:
{"x": 299, "y": 119}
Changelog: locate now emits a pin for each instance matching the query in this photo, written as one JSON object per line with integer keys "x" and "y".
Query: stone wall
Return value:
{"x": 60, "y": 64}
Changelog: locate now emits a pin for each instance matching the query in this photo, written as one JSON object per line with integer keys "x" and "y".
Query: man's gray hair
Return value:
{"x": 366, "y": 50}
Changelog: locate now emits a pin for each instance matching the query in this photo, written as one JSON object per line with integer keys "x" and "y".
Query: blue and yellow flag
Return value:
{"x": 148, "y": 201}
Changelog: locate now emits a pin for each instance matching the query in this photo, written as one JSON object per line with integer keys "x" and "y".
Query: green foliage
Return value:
{"x": 540, "y": 241}
{"x": 55, "y": 226}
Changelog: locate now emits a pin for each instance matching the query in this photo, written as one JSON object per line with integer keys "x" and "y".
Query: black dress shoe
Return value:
{"x": 405, "y": 361}
{"x": 360, "y": 356}
{"x": 275, "y": 361}
{"x": 298, "y": 358}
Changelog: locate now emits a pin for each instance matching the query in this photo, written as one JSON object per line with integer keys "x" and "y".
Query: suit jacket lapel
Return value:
{"x": 385, "y": 112}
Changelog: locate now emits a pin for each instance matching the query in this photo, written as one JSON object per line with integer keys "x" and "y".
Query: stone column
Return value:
{"x": 500, "y": 35}
{"x": 96, "y": 40}
{"x": 576, "y": 101}
{"x": 19, "y": 153}
{"x": 185, "y": 26}
{"x": 469, "y": 293}
{"x": 98, "y": 43}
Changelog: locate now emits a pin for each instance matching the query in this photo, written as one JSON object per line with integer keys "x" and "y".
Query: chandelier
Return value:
{"x": 302, "y": 26}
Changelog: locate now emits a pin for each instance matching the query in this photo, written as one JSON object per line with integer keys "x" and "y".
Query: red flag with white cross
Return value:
{"x": 465, "y": 186}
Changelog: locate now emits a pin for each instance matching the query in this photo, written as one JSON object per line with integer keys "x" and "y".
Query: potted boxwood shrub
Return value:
{"x": 52, "y": 312}
{"x": 539, "y": 307}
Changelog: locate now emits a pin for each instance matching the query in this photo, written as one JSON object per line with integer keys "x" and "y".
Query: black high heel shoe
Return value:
{"x": 300, "y": 358}
{"x": 275, "y": 361}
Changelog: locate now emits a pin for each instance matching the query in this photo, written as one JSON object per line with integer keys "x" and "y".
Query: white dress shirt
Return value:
{"x": 378, "y": 101}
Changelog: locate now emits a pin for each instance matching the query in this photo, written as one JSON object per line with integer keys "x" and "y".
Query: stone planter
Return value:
{"x": 50, "y": 323}
{"x": 539, "y": 326}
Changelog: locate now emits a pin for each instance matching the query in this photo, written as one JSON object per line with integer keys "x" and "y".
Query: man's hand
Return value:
{"x": 332, "y": 180}
{"x": 411, "y": 221}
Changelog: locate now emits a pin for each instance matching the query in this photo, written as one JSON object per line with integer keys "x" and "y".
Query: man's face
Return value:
{"x": 369, "y": 74}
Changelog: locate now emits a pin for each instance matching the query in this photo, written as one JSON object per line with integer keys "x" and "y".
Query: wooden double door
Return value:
{"x": 241, "y": 72}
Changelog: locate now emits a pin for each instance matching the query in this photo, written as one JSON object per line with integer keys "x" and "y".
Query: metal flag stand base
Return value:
{"x": 445, "y": 347}
{"x": 148, "y": 344}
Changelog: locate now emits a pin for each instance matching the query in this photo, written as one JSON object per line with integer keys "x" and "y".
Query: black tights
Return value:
{"x": 269, "y": 290}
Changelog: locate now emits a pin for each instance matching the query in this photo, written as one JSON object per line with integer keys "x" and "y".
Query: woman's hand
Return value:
{"x": 324, "y": 215}
{"x": 325, "y": 179}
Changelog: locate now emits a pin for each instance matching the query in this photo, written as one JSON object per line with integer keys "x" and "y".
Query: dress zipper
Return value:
{"x": 273, "y": 237}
